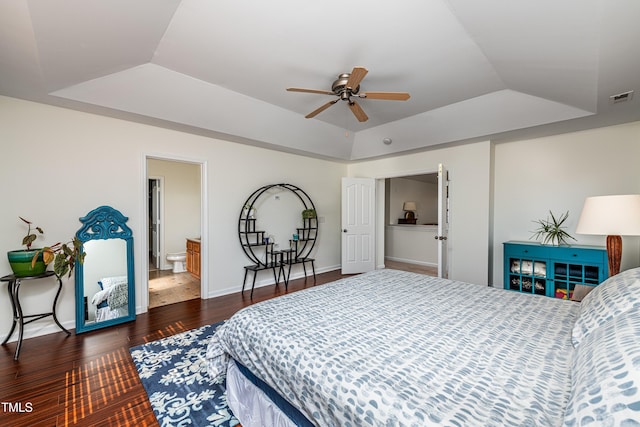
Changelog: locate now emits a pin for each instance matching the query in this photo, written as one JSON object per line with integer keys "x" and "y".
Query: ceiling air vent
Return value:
{"x": 621, "y": 97}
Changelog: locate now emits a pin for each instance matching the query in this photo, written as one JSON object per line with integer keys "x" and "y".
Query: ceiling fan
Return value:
{"x": 347, "y": 85}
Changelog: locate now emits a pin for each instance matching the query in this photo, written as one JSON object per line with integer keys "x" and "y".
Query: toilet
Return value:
{"x": 178, "y": 259}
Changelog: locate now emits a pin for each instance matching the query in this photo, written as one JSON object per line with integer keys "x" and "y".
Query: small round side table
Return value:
{"x": 19, "y": 317}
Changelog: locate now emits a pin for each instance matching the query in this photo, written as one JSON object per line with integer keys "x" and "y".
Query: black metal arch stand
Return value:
{"x": 281, "y": 260}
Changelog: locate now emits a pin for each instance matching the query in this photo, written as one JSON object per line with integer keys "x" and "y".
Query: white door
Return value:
{"x": 358, "y": 225}
{"x": 443, "y": 220}
{"x": 155, "y": 222}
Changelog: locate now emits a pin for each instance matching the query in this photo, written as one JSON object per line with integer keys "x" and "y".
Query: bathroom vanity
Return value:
{"x": 193, "y": 257}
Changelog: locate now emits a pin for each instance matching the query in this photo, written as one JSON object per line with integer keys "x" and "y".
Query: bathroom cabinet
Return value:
{"x": 193, "y": 257}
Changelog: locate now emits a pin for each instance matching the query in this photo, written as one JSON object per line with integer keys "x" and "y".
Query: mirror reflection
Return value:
{"x": 105, "y": 280}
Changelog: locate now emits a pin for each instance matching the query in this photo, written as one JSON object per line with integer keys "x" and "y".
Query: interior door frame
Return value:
{"x": 143, "y": 297}
{"x": 160, "y": 231}
{"x": 443, "y": 221}
{"x": 380, "y": 207}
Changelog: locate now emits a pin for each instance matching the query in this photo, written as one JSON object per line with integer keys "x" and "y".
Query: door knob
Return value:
{"x": 344, "y": 230}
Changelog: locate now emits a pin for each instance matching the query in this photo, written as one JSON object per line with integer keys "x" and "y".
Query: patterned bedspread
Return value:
{"x": 391, "y": 348}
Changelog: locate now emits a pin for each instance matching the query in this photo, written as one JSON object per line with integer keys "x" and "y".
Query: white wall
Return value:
{"x": 423, "y": 193}
{"x": 497, "y": 191}
{"x": 415, "y": 244}
{"x": 469, "y": 200}
{"x": 181, "y": 204}
{"x": 57, "y": 164}
{"x": 557, "y": 173}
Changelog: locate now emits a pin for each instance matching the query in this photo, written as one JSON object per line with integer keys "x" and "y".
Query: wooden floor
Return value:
{"x": 416, "y": 268}
{"x": 90, "y": 379}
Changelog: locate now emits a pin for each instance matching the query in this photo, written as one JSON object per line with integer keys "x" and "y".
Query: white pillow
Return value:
{"x": 612, "y": 297}
{"x": 605, "y": 375}
{"x": 108, "y": 282}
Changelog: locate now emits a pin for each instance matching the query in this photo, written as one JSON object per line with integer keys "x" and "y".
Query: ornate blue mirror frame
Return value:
{"x": 105, "y": 286}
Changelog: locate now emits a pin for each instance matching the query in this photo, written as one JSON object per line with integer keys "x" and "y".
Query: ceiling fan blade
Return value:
{"x": 321, "y": 109}
{"x": 356, "y": 76}
{"x": 299, "y": 89}
{"x": 390, "y": 96}
{"x": 358, "y": 111}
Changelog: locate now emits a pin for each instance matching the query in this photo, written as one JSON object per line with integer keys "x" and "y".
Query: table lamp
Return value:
{"x": 611, "y": 216}
{"x": 409, "y": 209}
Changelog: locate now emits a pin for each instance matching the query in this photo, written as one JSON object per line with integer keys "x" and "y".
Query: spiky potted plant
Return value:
{"x": 31, "y": 262}
{"x": 551, "y": 231}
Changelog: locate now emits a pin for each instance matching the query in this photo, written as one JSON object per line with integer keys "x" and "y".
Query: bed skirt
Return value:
{"x": 252, "y": 401}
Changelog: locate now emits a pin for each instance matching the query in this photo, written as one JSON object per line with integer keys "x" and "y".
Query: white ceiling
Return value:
{"x": 475, "y": 70}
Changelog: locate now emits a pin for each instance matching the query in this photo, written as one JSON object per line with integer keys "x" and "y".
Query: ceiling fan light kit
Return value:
{"x": 347, "y": 85}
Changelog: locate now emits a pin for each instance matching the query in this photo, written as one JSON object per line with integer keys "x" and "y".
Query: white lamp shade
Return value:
{"x": 409, "y": 206}
{"x": 610, "y": 216}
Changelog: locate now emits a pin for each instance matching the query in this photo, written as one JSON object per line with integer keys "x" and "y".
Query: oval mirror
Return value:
{"x": 105, "y": 290}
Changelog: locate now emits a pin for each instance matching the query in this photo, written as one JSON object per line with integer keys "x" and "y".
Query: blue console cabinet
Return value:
{"x": 553, "y": 271}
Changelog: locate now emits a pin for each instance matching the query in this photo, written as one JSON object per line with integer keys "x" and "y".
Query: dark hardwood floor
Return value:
{"x": 90, "y": 379}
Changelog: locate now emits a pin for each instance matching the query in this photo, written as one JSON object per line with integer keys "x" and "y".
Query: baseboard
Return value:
{"x": 268, "y": 281}
{"x": 412, "y": 261}
{"x": 34, "y": 330}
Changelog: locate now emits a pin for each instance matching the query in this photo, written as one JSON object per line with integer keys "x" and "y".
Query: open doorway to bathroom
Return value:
{"x": 174, "y": 218}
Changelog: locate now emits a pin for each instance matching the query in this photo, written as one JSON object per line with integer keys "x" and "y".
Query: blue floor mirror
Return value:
{"x": 105, "y": 288}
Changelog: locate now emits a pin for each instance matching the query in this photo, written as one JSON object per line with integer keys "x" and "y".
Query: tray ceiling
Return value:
{"x": 475, "y": 70}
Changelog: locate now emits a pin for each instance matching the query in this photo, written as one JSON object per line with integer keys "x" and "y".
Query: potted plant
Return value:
{"x": 308, "y": 213}
{"x": 551, "y": 231}
{"x": 31, "y": 262}
{"x": 248, "y": 211}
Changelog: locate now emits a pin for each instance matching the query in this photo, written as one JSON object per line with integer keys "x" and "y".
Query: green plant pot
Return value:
{"x": 20, "y": 262}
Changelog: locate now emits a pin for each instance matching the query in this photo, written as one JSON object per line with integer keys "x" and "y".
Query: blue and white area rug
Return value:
{"x": 174, "y": 374}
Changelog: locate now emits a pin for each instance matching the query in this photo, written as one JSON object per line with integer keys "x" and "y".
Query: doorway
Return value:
{"x": 364, "y": 224}
{"x": 423, "y": 232}
{"x": 411, "y": 223}
{"x": 175, "y": 212}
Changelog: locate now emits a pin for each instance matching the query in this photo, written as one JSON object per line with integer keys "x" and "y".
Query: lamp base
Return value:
{"x": 614, "y": 252}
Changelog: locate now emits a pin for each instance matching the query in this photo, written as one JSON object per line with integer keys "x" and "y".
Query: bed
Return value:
{"x": 111, "y": 301}
{"x": 389, "y": 348}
